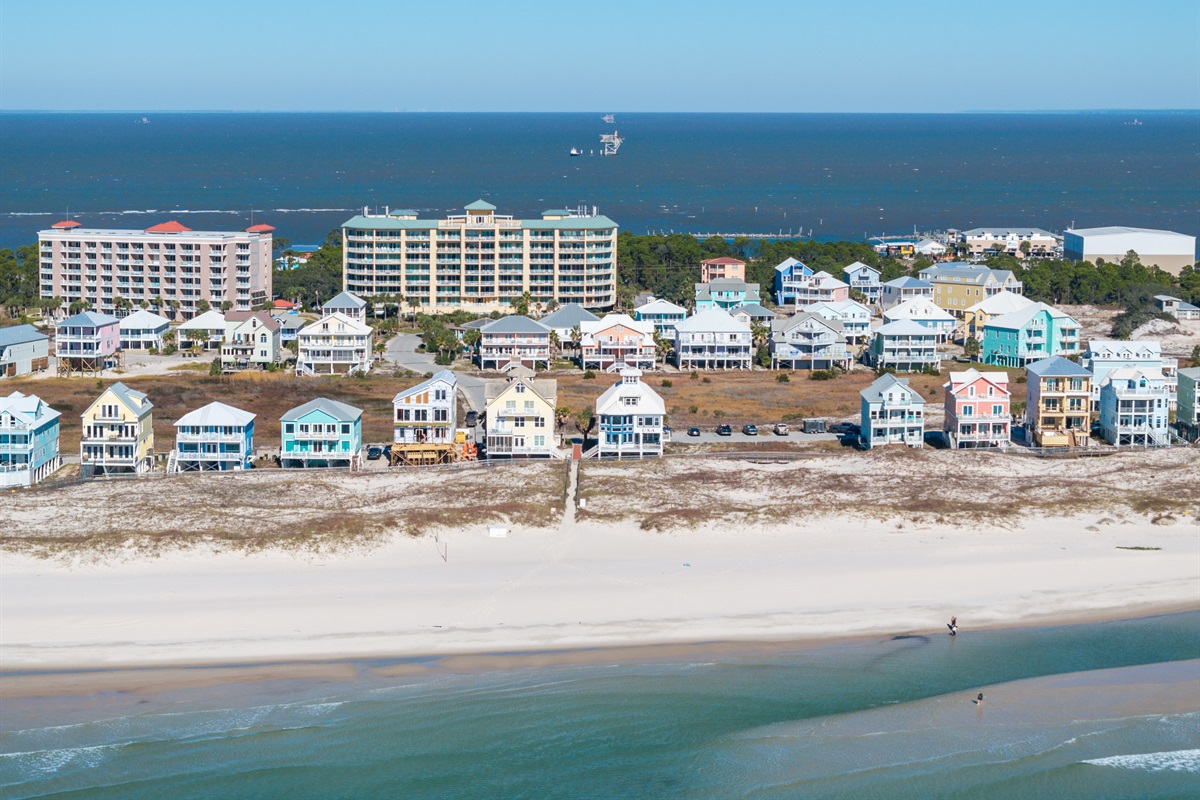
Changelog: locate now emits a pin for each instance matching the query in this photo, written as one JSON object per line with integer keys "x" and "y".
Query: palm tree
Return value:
{"x": 555, "y": 344}
{"x": 199, "y": 337}
{"x": 414, "y": 303}
{"x": 576, "y": 338}
{"x": 759, "y": 333}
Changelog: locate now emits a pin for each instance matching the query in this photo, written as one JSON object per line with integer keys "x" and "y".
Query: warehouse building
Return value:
{"x": 1167, "y": 250}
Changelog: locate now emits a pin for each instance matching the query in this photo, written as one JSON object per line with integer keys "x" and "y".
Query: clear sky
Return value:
{"x": 619, "y": 55}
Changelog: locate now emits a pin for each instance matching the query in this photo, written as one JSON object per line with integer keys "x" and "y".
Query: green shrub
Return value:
{"x": 589, "y": 375}
{"x": 822, "y": 374}
{"x": 694, "y": 409}
{"x": 666, "y": 383}
{"x": 782, "y": 378}
{"x": 170, "y": 350}
{"x": 706, "y": 379}
{"x": 695, "y": 375}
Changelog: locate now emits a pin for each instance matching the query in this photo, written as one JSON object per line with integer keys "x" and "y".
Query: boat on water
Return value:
{"x": 575, "y": 152}
{"x": 609, "y": 118}
{"x": 144, "y": 121}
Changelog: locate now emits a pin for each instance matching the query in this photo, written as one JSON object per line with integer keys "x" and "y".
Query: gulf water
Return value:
{"x": 794, "y": 724}
{"x": 831, "y": 175}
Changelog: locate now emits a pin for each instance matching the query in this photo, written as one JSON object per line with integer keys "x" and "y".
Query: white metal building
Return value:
{"x": 1167, "y": 250}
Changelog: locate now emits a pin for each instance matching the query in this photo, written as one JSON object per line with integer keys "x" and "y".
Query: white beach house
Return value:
{"x": 892, "y": 413}
{"x": 630, "y": 416}
{"x": 713, "y": 339}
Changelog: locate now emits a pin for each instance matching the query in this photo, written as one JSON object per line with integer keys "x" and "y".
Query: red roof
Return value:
{"x": 168, "y": 227}
{"x": 284, "y": 304}
{"x": 259, "y": 228}
{"x": 66, "y": 223}
{"x": 723, "y": 260}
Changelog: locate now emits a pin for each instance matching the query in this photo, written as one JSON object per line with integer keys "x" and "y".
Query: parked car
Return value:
{"x": 781, "y": 429}
{"x": 750, "y": 430}
{"x": 374, "y": 452}
{"x": 724, "y": 430}
{"x": 472, "y": 419}
{"x": 693, "y": 431}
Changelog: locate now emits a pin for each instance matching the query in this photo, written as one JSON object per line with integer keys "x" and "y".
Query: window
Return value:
{"x": 520, "y": 388}
{"x": 997, "y": 411}
{"x": 539, "y": 422}
{"x": 629, "y": 401}
{"x": 345, "y": 429}
{"x": 539, "y": 441}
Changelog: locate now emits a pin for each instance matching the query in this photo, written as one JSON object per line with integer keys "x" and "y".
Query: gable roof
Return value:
{"x": 441, "y": 376}
{"x": 216, "y": 413}
{"x": 790, "y": 263}
{"x": 754, "y": 311}
{"x": 339, "y": 411}
{"x": 962, "y": 272}
{"x": 785, "y": 325}
{"x": 1117, "y": 348}
{"x": 918, "y": 308}
{"x": 293, "y": 322}
{"x": 242, "y": 317}
{"x": 1001, "y": 303}
{"x": 29, "y": 409}
{"x": 715, "y": 320}
{"x": 135, "y": 401}
{"x": 1057, "y": 367}
{"x": 544, "y": 388}
{"x": 837, "y": 307}
{"x": 19, "y": 334}
{"x": 568, "y": 316}
{"x": 143, "y": 319}
{"x": 90, "y": 319}
{"x": 649, "y": 400}
{"x": 350, "y": 322}
{"x": 857, "y": 266}
{"x": 209, "y": 320}
{"x": 660, "y": 306}
{"x": 1022, "y": 317}
{"x": 905, "y": 327}
{"x": 874, "y": 392}
{"x": 515, "y": 323}
{"x": 960, "y": 380}
{"x": 610, "y": 320}
{"x": 908, "y": 282}
{"x": 345, "y": 300}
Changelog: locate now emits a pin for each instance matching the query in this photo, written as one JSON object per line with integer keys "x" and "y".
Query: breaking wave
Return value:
{"x": 1168, "y": 761}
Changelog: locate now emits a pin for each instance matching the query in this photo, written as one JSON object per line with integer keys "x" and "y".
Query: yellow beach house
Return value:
{"x": 520, "y": 416}
{"x": 1058, "y": 402}
{"x": 118, "y": 433}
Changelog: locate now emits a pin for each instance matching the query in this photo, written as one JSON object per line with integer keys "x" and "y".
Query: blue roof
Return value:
{"x": 907, "y": 282}
{"x": 339, "y": 411}
{"x": 1057, "y": 367}
{"x": 19, "y": 334}
{"x": 92, "y": 319}
{"x": 480, "y": 205}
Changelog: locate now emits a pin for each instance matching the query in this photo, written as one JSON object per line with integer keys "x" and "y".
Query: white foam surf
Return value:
{"x": 1167, "y": 761}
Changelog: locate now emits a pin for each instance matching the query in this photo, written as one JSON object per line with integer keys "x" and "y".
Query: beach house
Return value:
{"x": 321, "y": 433}
{"x": 334, "y": 345}
{"x": 23, "y": 350}
{"x": 726, "y": 294}
{"x": 713, "y": 339}
{"x": 617, "y": 341}
{"x": 1187, "y": 413}
{"x": 348, "y": 305}
{"x": 978, "y": 409}
{"x": 630, "y": 416}
{"x": 290, "y": 326}
{"x": 1177, "y": 308}
{"x": 663, "y": 315}
{"x": 892, "y": 413}
{"x": 808, "y": 341}
{"x": 904, "y": 346}
{"x": 205, "y": 330}
{"x": 790, "y": 275}
{"x": 899, "y": 290}
{"x": 797, "y": 285}
{"x": 214, "y": 438}
{"x": 519, "y": 420}
{"x": 143, "y": 330}
{"x": 957, "y": 285}
{"x": 854, "y": 316}
{"x": 1105, "y": 355}
{"x": 87, "y": 342}
{"x": 925, "y": 313}
{"x": 999, "y": 304}
{"x": 753, "y": 314}
{"x": 509, "y": 341}
{"x": 1134, "y": 407}
{"x": 426, "y": 415}
{"x": 565, "y": 320}
{"x": 1058, "y": 401}
{"x": 28, "y": 440}
{"x": 724, "y": 267}
{"x": 1035, "y": 332}
{"x": 118, "y": 433}
{"x": 863, "y": 279}
{"x": 251, "y": 340}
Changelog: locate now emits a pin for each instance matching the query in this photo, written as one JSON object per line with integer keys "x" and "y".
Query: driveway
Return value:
{"x": 401, "y": 351}
{"x": 708, "y": 436}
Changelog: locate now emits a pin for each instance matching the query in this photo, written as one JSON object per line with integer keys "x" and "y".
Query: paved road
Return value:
{"x": 679, "y": 436}
{"x": 401, "y": 350}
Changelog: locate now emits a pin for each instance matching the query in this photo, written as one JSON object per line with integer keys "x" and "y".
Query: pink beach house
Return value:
{"x": 978, "y": 409}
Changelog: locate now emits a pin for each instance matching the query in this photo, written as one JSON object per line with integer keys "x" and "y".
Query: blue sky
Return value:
{"x": 620, "y": 55}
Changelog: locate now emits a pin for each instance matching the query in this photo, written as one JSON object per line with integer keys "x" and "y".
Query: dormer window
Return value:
{"x": 520, "y": 388}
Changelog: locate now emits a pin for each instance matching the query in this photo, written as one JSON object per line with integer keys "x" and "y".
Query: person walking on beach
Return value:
{"x": 953, "y": 626}
{"x": 979, "y": 699}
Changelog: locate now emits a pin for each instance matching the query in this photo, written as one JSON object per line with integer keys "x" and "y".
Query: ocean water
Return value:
{"x": 834, "y": 175}
{"x": 808, "y": 723}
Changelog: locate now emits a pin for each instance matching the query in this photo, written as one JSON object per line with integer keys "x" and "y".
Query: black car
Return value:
{"x": 693, "y": 431}
{"x": 472, "y": 419}
{"x": 750, "y": 430}
{"x": 374, "y": 453}
{"x": 724, "y": 430}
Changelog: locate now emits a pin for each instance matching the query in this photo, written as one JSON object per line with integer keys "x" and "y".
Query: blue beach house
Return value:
{"x": 321, "y": 433}
{"x": 216, "y": 437}
{"x": 1030, "y": 334}
{"x": 725, "y": 294}
{"x": 790, "y": 276}
{"x": 28, "y": 440}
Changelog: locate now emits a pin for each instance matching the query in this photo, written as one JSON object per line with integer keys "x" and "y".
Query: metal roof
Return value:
{"x": 91, "y": 319}
{"x": 214, "y": 414}
{"x": 209, "y": 321}
{"x": 345, "y": 300}
{"x": 143, "y": 319}
{"x": 339, "y": 411}
{"x": 19, "y": 334}
{"x": 874, "y": 392}
{"x": 135, "y": 401}
{"x": 908, "y": 282}
{"x": 1022, "y": 317}
{"x": 28, "y": 408}
{"x": 1057, "y": 367}
{"x": 441, "y": 376}
{"x": 480, "y": 205}
{"x": 568, "y": 316}
{"x": 712, "y": 319}
{"x": 515, "y": 323}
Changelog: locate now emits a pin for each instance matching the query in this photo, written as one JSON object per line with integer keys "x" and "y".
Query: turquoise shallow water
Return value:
{"x": 789, "y": 725}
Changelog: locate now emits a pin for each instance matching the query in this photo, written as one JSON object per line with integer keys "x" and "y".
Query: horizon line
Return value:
{"x": 706, "y": 113}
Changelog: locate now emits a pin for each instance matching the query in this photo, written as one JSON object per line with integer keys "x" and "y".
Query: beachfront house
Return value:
{"x": 214, "y": 438}
{"x": 904, "y": 346}
{"x": 334, "y": 345}
{"x": 28, "y": 440}
{"x": 1105, "y": 355}
{"x": 348, "y": 305}
{"x": 902, "y": 289}
{"x": 957, "y": 285}
{"x": 892, "y": 413}
{"x": 251, "y": 340}
{"x": 617, "y": 341}
{"x": 87, "y": 342}
{"x": 663, "y": 315}
{"x": 925, "y": 313}
{"x": 290, "y": 326}
{"x": 863, "y": 279}
{"x": 118, "y": 433}
{"x": 23, "y": 350}
{"x": 808, "y": 341}
{"x": 726, "y": 294}
{"x": 1187, "y": 413}
{"x": 428, "y": 412}
{"x": 143, "y": 330}
{"x": 1134, "y": 407}
{"x": 630, "y": 416}
{"x": 1058, "y": 401}
{"x": 566, "y": 320}
{"x": 205, "y": 330}
{"x": 978, "y": 409}
{"x": 1035, "y": 332}
{"x": 999, "y": 304}
{"x": 854, "y": 316}
{"x": 514, "y": 340}
{"x": 1177, "y": 308}
{"x": 520, "y": 416}
{"x": 321, "y": 433}
{"x": 723, "y": 267}
{"x": 713, "y": 339}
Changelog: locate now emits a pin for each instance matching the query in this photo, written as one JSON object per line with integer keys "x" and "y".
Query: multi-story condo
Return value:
{"x": 514, "y": 340}
{"x": 143, "y": 330}
{"x": 904, "y": 346}
{"x": 480, "y": 260}
{"x": 978, "y": 409}
{"x": 205, "y": 330}
{"x": 23, "y": 349}
{"x": 997, "y": 305}
{"x": 251, "y": 340}
{"x": 87, "y": 342}
{"x": 981, "y": 240}
{"x": 167, "y": 265}
{"x": 925, "y": 313}
{"x": 334, "y": 345}
{"x": 520, "y": 416}
{"x": 617, "y": 341}
{"x": 1105, "y": 355}
{"x": 808, "y": 341}
{"x": 1035, "y": 332}
{"x": 1187, "y": 413}
{"x": 321, "y": 433}
{"x": 854, "y": 316}
{"x": 215, "y": 438}
{"x": 863, "y": 279}
{"x": 903, "y": 289}
{"x": 118, "y": 433}
{"x": 724, "y": 267}
{"x": 425, "y": 421}
{"x": 663, "y": 315}
{"x": 957, "y": 285}
{"x": 892, "y": 413}
{"x": 797, "y": 285}
{"x": 725, "y": 293}
{"x": 1058, "y": 400}
{"x": 713, "y": 339}
{"x": 630, "y": 416}
{"x": 1134, "y": 407}
{"x": 28, "y": 440}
